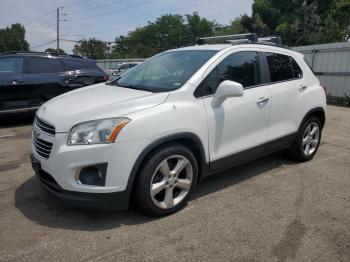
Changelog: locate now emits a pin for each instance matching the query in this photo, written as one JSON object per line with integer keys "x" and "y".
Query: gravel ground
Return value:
{"x": 271, "y": 209}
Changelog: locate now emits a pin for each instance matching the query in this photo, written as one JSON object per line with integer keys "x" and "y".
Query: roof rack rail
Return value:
{"x": 43, "y": 53}
{"x": 21, "y": 52}
{"x": 69, "y": 55}
{"x": 274, "y": 40}
{"x": 249, "y": 38}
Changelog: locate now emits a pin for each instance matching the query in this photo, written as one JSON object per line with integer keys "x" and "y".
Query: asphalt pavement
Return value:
{"x": 271, "y": 209}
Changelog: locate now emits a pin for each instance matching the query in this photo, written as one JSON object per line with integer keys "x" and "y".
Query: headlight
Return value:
{"x": 103, "y": 131}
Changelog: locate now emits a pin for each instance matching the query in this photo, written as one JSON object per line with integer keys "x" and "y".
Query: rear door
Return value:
{"x": 240, "y": 123}
{"x": 285, "y": 87}
{"x": 12, "y": 93}
{"x": 43, "y": 79}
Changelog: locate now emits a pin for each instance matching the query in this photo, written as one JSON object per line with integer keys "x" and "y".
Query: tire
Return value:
{"x": 159, "y": 173}
{"x": 307, "y": 143}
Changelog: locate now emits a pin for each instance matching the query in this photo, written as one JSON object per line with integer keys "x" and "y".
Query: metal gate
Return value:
{"x": 331, "y": 64}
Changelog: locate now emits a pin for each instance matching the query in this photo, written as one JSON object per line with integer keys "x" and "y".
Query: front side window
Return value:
{"x": 165, "y": 72}
{"x": 40, "y": 65}
{"x": 11, "y": 65}
{"x": 241, "y": 67}
{"x": 280, "y": 67}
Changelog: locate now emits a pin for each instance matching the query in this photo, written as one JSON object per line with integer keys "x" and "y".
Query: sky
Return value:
{"x": 104, "y": 19}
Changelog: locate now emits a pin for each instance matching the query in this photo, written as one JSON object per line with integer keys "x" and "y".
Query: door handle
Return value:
{"x": 15, "y": 81}
{"x": 302, "y": 88}
{"x": 263, "y": 100}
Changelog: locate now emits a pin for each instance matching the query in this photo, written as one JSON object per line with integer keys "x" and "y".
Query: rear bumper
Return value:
{"x": 96, "y": 201}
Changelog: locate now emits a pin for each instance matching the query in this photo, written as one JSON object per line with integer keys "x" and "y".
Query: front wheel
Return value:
{"x": 167, "y": 180}
{"x": 307, "y": 140}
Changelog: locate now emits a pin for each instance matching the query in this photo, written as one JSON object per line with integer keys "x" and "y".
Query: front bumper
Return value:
{"x": 64, "y": 162}
{"x": 97, "y": 201}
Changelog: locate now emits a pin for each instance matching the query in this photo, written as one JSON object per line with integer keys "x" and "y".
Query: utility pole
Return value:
{"x": 58, "y": 31}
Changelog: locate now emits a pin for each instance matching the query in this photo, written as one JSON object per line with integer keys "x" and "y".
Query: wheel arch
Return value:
{"x": 189, "y": 140}
{"x": 318, "y": 112}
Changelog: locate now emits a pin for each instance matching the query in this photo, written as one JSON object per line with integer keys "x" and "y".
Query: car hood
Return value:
{"x": 96, "y": 102}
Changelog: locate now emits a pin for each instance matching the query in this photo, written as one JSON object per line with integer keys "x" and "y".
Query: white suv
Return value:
{"x": 155, "y": 132}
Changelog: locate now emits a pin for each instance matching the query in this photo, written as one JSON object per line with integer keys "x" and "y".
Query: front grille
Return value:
{"x": 43, "y": 148}
{"x": 44, "y": 127}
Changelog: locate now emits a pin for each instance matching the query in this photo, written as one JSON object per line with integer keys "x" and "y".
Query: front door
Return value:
{"x": 238, "y": 127}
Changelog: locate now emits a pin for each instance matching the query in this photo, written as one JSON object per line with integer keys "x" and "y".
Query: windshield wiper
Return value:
{"x": 135, "y": 87}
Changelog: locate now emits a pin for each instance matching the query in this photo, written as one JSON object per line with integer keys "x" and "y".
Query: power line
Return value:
{"x": 69, "y": 40}
{"x": 96, "y": 7}
{"x": 126, "y": 21}
{"x": 113, "y": 11}
{"x": 49, "y": 25}
{"x": 43, "y": 44}
{"x": 78, "y": 3}
{"x": 220, "y": 6}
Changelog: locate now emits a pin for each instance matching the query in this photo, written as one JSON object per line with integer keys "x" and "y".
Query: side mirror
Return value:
{"x": 226, "y": 89}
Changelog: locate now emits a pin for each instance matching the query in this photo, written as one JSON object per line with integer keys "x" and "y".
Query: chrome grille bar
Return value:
{"x": 44, "y": 127}
{"x": 43, "y": 148}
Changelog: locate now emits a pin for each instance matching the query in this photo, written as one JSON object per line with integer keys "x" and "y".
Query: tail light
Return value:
{"x": 105, "y": 78}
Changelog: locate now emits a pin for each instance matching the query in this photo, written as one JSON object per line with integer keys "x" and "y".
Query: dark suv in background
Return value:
{"x": 28, "y": 79}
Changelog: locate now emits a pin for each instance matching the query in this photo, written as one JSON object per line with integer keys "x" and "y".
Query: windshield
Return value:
{"x": 165, "y": 72}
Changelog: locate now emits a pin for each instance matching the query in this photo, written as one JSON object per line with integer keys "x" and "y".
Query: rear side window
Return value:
{"x": 11, "y": 65}
{"x": 241, "y": 67}
{"x": 78, "y": 64}
{"x": 40, "y": 65}
{"x": 296, "y": 69}
{"x": 280, "y": 67}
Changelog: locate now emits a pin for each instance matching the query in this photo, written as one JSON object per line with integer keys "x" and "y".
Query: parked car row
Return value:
{"x": 120, "y": 68}
{"x": 28, "y": 79}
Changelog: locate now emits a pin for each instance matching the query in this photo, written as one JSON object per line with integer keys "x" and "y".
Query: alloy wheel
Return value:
{"x": 171, "y": 181}
{"x": 311, "y": 138}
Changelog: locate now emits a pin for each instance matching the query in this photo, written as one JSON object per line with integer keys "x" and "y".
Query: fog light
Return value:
{"x": 94, "y": 175}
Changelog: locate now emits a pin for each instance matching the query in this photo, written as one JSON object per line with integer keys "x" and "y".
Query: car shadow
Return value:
{"x": 241, "y": 173}
{"x": 36, "y": 204}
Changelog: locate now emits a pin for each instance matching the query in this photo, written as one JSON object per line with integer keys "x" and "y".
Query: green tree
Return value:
{"x": 302, "y": 22}
{"x": 13, "y": 39}
{"x": 298, "y": 22}
{"x": 235, "y": 27}
{"x": 54, "y": 50}
{"x": 197, "y": 26}
{"x": 167, "y": 32}
{"x": 91, "y": 48}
